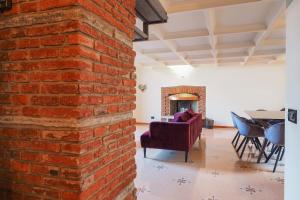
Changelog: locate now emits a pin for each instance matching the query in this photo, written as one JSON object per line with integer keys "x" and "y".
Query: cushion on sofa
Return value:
{"x": 191, "y": 112}
{"x": 185, "y": 117}
{"x": 176, "y": 117}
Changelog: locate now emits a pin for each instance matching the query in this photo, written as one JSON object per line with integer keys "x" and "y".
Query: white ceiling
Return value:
{"x": 216, "y": 32}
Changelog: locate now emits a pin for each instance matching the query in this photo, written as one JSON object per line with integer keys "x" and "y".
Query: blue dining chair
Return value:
{"x": 250, "y": 131}
{"x": 275, "y": 135}
{"x": 236, "y": 138}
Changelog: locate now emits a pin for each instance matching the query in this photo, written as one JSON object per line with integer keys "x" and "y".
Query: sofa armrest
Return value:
{"x": 170, "y": 132}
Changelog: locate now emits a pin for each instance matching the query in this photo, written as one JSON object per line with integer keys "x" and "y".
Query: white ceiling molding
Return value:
{"x": 202, "y": 4}
{"x": 143, "y": 56}
{"x": 243, "y": 33}
{"x": 210, "y": 18}
{"x": 274, "y": 15}
{"x": 159, "y": 34}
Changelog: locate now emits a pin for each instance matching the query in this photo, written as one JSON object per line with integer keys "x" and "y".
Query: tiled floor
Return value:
{"x": 213, "y": 172}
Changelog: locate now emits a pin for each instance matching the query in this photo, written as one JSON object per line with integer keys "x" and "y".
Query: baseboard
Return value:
{"x": 222, "y": 126}
{"x": 142, "y": 123}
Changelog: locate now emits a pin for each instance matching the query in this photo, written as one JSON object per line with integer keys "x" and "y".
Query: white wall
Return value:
{"x": 228, "y": 88}
{"x": 292, "y": 168}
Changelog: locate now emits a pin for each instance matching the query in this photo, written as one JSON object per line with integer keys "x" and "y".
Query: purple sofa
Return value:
{"x": 180, "y": 134}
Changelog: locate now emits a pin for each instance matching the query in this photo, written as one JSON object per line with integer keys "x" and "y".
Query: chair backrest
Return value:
{"x": 275, "y": 134}
{"x": 247, "y": 127}
{"x": 242, "y": 125}
{"x": 233, "y": 116}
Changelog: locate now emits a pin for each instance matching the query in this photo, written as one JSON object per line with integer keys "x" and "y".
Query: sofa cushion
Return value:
{"x": 185, "y": 117}
{"x": 191, "y": 112}
{"x": 176, "y": 117}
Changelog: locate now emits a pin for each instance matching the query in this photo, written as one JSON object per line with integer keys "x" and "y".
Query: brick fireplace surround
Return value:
{"x": 67, "y": 91}
{"x": 200, "y": 91}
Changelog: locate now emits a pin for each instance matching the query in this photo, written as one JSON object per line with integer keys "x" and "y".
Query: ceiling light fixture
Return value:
{"x": 181, "y": 70}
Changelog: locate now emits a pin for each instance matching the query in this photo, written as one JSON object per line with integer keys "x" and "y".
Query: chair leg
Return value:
{"x": 186, "y": 155}
{"x": 262, "y": 150}
{"x": 271, "y": 154}
{"x": 144, "y": 152}
{"x": 237, "y": 141}
{"x": 235, "y": 137}
{"x": 255, "y": 143}
{"x": 243, "y": 141}
{"x": 273, "y": 146}
{"x": 274, "y": 169}
{"x": 246, "y": 143}
{"x": 283, "y": 150}
{"x": 260, "y": 147}
{"x": 258, "y": 141}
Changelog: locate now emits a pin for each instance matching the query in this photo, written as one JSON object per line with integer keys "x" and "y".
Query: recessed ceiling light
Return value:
{"x": 181, "y": 70}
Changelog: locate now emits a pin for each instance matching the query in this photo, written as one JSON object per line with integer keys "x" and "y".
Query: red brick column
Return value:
{"x": 67, "y": 91}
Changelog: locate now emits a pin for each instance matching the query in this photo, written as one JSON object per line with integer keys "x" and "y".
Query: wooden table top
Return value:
{"x": 269, "y": 115}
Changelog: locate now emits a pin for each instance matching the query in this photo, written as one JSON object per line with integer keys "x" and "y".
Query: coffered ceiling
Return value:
{"x": 216, "y": 32}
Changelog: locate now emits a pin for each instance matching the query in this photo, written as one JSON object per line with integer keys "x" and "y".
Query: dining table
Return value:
{"x": 266, "y": 115}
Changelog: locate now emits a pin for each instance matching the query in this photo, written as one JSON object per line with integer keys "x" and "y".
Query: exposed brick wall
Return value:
{"x": 200, "y": 91}
{"x": 67, "y": 91}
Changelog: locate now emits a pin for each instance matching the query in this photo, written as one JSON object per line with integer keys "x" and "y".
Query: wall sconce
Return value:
{"x": 142, "y": 87}
{"x": 5, "y": 5}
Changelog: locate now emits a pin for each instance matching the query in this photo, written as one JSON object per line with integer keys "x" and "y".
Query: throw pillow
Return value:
{"x": 184, "y": 117}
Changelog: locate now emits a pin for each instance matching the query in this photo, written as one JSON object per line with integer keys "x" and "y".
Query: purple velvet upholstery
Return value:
{"x": 173, "y": 135}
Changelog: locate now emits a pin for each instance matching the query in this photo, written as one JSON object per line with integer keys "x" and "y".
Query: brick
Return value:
{"x": 18, "y": 55}
{"x": 77, "y": 76}
{"x": 53, "y": 40}
{"x": 44, "y": 76}
{"x": 45, "y": 100}
{"x": 5, "y": 99}
{"x": 44, "y": 53}
{"x": 19, "y": 166}
{"x": 66, "y": 64}
{"x": 78, "y": 38}
{"x": 50, "y": 4}
{"x": 30, "y": 111}
{"x": 20, "y": 99}
{"x": 61, "y": 27}
{"x": 65, "y": 112}
{"x": 60, "y": 88}
{"x": 68, "y": 136}
{"x": 30, "y": 88}
{"x": 31, "y": 156}
{"x": 28, "y": 7}
{"x": 62, "y": 183}
{"x": 99, "y": 46}
{"x": 7, "y": 45}
{"x": 48, "y": 193}
{"x": 99, "y": 131}
{"x": 61, "y": 160}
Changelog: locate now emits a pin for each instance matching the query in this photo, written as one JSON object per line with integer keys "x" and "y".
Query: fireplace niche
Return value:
{"x": 180, "y": 98}
{"x": 182, "y": 102}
